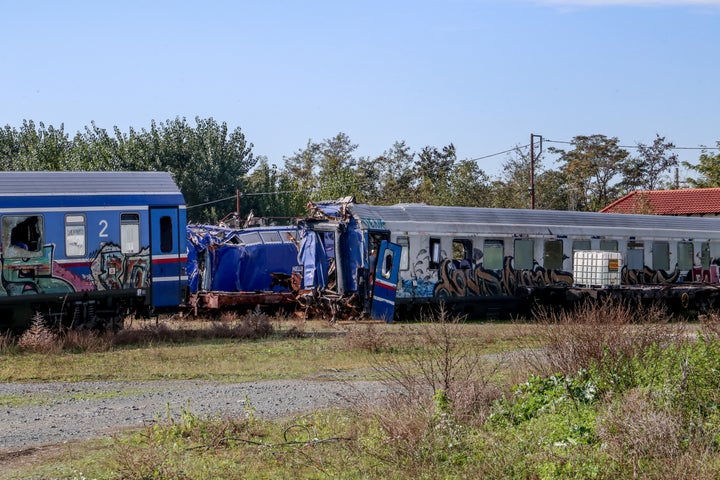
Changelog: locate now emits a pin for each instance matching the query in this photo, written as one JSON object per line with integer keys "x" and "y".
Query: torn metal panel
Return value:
{"x": 244, "y": 260}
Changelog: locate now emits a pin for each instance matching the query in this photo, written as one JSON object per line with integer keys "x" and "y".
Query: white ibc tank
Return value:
{"x": 596, "y": 268}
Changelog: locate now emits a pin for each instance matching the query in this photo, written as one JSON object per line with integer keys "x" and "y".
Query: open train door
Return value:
{"x": 166, "y": 254}
{"x": 385, "y": 281}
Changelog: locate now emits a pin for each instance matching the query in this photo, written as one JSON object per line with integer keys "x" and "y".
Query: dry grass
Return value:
{"x": 252, "y": 325}
{"x": 634, "y": 428}
{"x": 39, "y": 338}
{"x": 440, "y": 386}
{"x": 7, "y": 341}
{"x": 577, "y": 339}
{"x": 370, "y": 337}
{"x": 710, "y": 325}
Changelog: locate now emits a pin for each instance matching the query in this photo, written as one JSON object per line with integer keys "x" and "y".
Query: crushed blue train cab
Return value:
{"x": 240, "y": 267}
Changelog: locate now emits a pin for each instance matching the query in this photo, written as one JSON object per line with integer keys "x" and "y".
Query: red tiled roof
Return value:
{"x": 689, "y": 201}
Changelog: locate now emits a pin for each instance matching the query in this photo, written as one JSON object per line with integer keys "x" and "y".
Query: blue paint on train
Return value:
{"x": 85, "y": 247}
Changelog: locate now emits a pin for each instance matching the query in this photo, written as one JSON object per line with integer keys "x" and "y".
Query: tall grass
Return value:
{"x": 609, "y": 391}
{"x": 608, "y": 333}
{"x": 40, "y": 338}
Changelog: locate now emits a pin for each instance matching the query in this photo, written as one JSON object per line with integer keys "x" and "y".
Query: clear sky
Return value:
{"x": 481, "y": 74}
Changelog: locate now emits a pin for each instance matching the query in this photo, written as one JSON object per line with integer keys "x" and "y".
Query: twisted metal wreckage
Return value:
{"x": 294, "y": 267}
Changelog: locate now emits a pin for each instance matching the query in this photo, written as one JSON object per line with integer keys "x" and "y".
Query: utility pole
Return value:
{"x": 532, "y": 167}
{"x": 237, "y": 207}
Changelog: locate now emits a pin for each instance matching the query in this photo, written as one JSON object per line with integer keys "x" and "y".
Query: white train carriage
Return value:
{"x": 492, "y": 261}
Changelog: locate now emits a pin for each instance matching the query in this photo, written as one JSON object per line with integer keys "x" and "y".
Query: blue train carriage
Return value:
{"x": 498, "y": 262}
{"x": 88, "y": 248}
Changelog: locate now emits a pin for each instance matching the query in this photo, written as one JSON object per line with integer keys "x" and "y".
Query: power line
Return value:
{"x": 499, "y": 153}
{"x": 254, "y": 194}
{"x": 637, "y": 146}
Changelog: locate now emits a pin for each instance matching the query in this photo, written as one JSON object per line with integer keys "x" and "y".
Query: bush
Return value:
{"x": 39, "y": 338}
{"x": 608, "y": 334}
{"x": 634, "y": 429}
{"x": 367, "y": 337}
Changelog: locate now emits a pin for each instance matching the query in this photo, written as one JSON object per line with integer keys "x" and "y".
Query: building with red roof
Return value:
{"x": 697, "y": 202}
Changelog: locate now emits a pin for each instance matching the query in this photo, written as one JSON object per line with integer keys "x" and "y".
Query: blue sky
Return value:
{"x": 481, "y": 74}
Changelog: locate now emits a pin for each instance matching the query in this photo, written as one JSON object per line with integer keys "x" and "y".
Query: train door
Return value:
{"x": 385, "y": 281}
{"x": 166, "y": 256}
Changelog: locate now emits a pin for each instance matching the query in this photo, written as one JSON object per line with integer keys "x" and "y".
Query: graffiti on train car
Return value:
{"x": 108, "y": 269}
{"x": 649, "y": 276}
{"x": 475, "y": 280}
{"x": 454, "y": 279}
{"x": 112, "y": 269}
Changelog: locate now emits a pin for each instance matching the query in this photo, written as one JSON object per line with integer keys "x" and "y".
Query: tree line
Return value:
{"x": 210, "y": 163}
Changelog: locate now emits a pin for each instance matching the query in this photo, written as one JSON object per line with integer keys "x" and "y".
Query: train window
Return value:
{"x": 581, "y": 245}
{"x": 129, "y": 233}
{"x": 270, "y": 237}
{"x": 22, "y": 236}
{"x": 166, "y": 234}
{"x": 252, "y": 238}
{"x": 661, "y": 255}
{"x": 608, "y": 245}
{"x": 387, "y": 263}
{"x": 524, "y": 254}
{"x": 462, "y": 253}
{"x": 404, "y": 242}
{"x": 553, "y": 254}
{"x": 493, "y": 254}
{"x": 75, "y": 244}
{"x": 705, "y": 255}
{"x": 434, "y": 252}
{"x": 635, "y": 256}
{"x": 685, "y": 255}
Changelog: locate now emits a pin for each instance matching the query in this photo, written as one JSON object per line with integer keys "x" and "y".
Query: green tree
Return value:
{"x": 35, "y": 147}
{"x": 389, "y": 178}
{"x": 512, "y": 189}
{"x": 708, "y": 168}
{"x": 470, "y": 185}
{"x": 551, "y": 191}
{"x": 95, "y": 150}
{"x": 324, "y": 171}
{"x": 434, "y": 169}
{"x": 219, "y": 161}
{"x": 591, "y": 170}
{"x": 651, "y": 168}
{"x": 9, "y": 148}
{"x": 336, "y": 173}
{"x": 263, "y": 193}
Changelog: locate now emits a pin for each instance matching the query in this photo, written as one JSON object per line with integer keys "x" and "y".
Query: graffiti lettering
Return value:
{"x": 478, "y": 281}
{"x": 373, "y": 223}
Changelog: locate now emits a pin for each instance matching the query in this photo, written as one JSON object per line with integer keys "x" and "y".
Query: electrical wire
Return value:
{"x": 636, "y": 146}
{"x": 499, "y": 153}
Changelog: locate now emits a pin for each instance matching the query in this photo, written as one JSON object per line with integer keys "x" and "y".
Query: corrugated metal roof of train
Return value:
{"x": 500, "y": 216}
{"x": 58, "y": 183}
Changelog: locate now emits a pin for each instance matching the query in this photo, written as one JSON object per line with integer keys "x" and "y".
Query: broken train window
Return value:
{"x": 22, "y": 235}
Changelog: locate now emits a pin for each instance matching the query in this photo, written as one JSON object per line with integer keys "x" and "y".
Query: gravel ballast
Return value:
{"x": 36, "y": 414}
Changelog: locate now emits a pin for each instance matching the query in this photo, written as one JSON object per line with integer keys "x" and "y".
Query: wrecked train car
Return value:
{"x": 497, "y": 262}
{"x": 240, "y": 268}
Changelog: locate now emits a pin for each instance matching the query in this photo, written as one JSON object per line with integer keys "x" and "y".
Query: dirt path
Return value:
{"x": 37, "y": 416}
